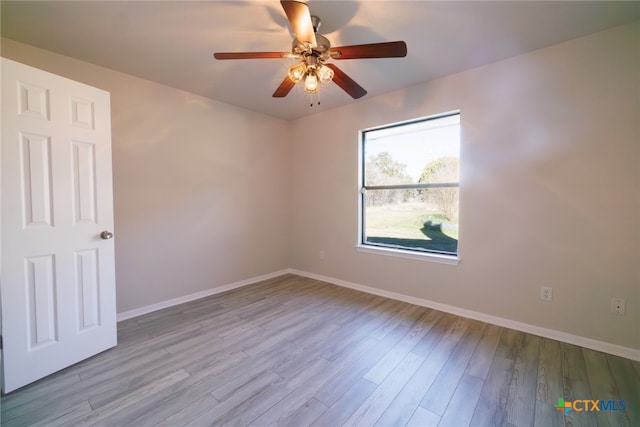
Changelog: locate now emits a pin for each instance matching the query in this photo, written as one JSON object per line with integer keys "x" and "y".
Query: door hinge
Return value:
{"x": 0, "y": 342}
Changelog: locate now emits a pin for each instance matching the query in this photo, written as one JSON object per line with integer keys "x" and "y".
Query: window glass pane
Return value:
{"x": 409, "y": 155}
{"x": 421, "y": 152}
{"x": 423, "y": 220}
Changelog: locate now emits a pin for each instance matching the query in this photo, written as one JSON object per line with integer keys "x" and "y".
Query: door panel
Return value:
{"x": 41, "y": 301}
{"x": 58, "y": 275}
{"x": 84, "y": 182}
{"x": 36, "y": 180}
{"x": 87, "y": 284}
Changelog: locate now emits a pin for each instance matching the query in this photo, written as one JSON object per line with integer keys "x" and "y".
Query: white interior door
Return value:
{"x": 57, "y": 273}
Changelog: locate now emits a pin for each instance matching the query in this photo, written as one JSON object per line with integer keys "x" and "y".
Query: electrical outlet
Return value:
{"x": 546, "y": 293}
{"x": 321, "y": 254}
{"x": 617, "y": 306}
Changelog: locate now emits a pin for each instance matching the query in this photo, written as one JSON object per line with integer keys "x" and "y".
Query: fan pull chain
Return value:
{"x": 315, "y": 99}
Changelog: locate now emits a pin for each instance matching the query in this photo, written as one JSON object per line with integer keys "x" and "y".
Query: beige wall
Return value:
{"x": 549, "y": 195}
{"x": 207, "y": 194}
{"x": 200, "y": 187}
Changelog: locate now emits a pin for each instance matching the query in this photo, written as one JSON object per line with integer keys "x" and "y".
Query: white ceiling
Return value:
{"x": 172, "y": 42}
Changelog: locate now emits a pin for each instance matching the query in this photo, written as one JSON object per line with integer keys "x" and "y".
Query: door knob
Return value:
{"x": 106, "y": 235}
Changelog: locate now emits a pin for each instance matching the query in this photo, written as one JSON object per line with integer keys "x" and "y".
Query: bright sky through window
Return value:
{"x": 407, "y": 145}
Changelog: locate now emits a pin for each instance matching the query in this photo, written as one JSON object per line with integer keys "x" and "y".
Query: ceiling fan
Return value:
{"x": 313, "y": 51}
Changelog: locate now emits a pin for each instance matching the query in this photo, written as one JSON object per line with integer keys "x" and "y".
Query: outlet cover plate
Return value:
{"x": 617, "y": 306}
{"x": 546, "y": 293}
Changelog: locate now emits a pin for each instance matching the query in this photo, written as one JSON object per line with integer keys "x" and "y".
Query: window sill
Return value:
{"x": 399, "y": 253}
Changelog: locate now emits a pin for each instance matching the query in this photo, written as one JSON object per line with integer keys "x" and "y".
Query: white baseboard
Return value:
{"x": 195, "y": 296}
{"x": 617, "y": 350}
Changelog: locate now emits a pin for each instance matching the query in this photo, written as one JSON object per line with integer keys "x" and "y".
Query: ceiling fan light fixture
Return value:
{"x": 325, "y": 74}
{"x": 297, "y": 72}
{"x": 311, "y": 84}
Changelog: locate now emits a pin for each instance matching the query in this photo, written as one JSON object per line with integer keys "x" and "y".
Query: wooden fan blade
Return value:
{"x": 300, "y": 20}
{"x": 372, "y": 50}
{"x": 284, "y": 88}
{"x": 250, "y": 55}
{"x": 346, "y": 83}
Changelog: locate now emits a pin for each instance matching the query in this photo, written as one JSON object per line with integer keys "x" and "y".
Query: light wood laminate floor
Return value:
{"x": 298, "y": 352}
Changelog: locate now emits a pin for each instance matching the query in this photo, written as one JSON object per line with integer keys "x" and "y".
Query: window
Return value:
{"x": 409, "y": 187}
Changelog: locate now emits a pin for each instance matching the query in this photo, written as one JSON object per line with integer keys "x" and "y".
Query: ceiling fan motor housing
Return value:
{"x": 320, "y": 50}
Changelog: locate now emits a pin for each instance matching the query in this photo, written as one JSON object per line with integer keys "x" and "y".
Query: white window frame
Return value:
{"x": 361, "y": 246}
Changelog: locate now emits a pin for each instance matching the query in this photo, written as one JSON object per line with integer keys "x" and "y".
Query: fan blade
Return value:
{"x": 284, "y": 88}
{"x": 300, "y": 20}
{"x": 251, "y": 55}
{"x": 347, "y": 83}
{"x": 373, "y": 50}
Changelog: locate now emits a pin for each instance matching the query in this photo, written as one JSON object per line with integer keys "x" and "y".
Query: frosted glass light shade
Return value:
{"x": 311, "y": 84}
{"x": 325, "y": 74}
{"x": 297, "y": 72}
